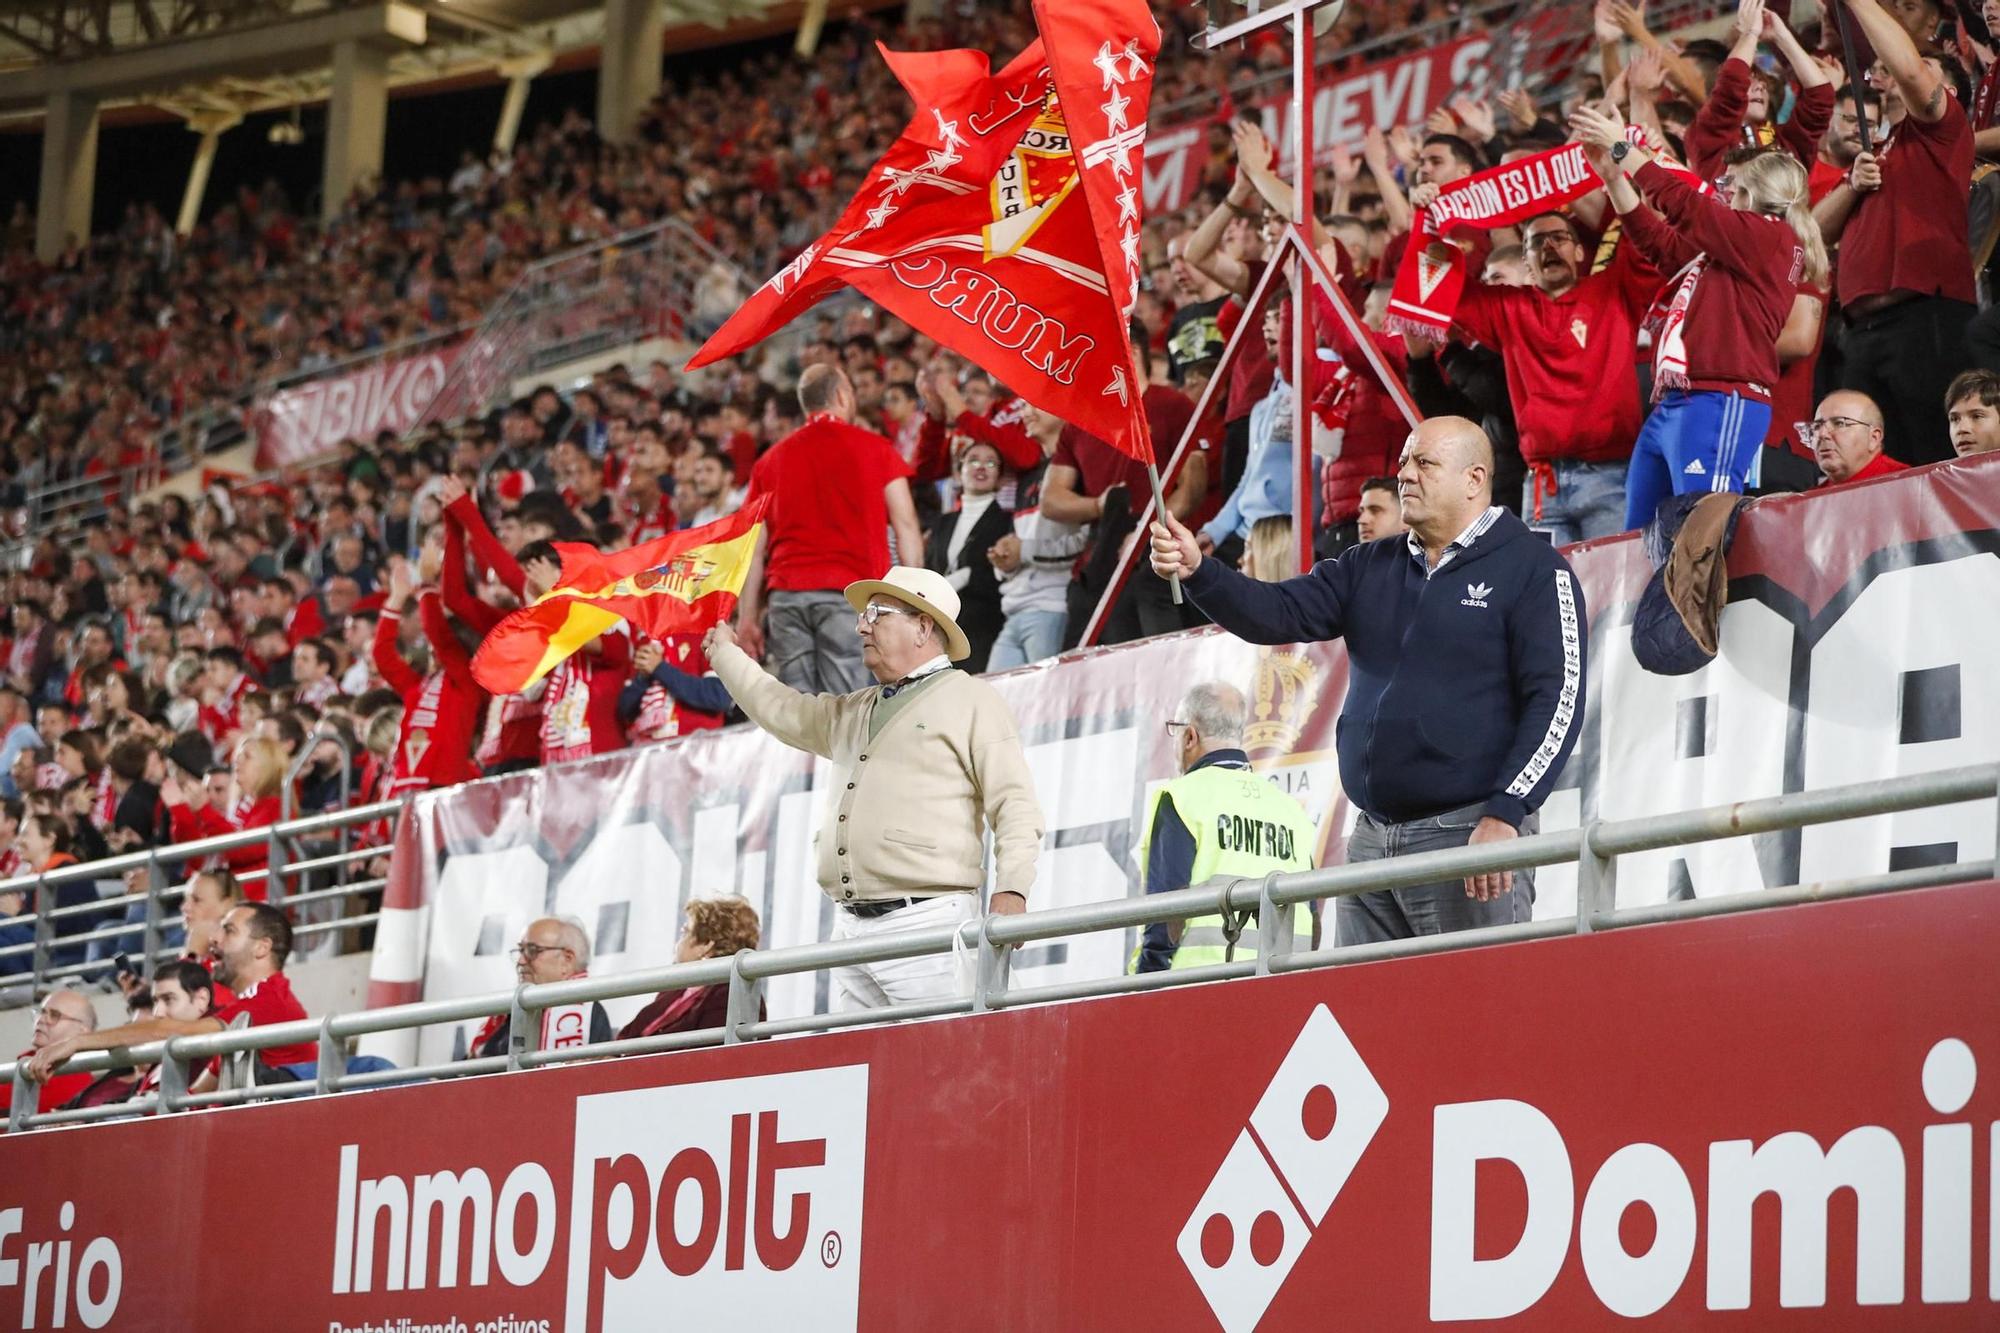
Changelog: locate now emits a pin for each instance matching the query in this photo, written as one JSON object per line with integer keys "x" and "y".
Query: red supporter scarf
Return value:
{"x": 1987, "y": 101}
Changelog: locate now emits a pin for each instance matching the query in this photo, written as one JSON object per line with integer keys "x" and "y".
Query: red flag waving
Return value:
{"x": 972, "y": 227}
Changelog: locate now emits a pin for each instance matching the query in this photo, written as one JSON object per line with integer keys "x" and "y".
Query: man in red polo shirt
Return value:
{"x": 1904, "y": 272}
{"x": 837, "y": 493}
{"x": 250, "y": 956}
{"x": 64, "y": 1015}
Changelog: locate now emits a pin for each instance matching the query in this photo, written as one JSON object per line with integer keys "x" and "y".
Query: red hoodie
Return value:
{"x": 1741, "y": 296}
{"x": 1718, "y": 126}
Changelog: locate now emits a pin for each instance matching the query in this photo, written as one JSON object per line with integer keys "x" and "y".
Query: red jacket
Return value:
{"x": 513, "y": 726}
{"x": 1005, "y": 427}
{"x": 440, "y": 711}
{"x": 1376, "y": 427}
{"x": 1744, "y": 293}
{"x": 1718, "y": 126}
{"x": 190, "y": 823}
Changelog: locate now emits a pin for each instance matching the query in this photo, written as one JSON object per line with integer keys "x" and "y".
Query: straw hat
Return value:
{"x": 922, "y": 590}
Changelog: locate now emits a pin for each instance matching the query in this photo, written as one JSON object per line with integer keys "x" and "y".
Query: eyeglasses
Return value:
{"x": 56, "y": 1016}
{"x": 1541, "y": 240}
{"x": 1174, "y": 728}
{"x": 983, "y": 464}
{"x": 528, "y": 953}
{"x": 874, "y": 611}
{"x": 1811, "y": 430}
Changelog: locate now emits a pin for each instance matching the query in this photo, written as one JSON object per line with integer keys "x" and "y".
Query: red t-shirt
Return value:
{"x": 1569, "y": 359}
{"x": 270, "y": 1001}
{"x": 59, "y": 1089}
{"x": 1822, "y": 178}
{"x": 1879, "y": 466}
{"x": 828, "y": 524}
{"x": 1100, "y": 467}
{"x": 1250, "y": 374}
{"x": 1910, "y": 235}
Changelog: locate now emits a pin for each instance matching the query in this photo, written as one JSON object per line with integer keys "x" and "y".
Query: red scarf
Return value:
{"x": 1987, "y": 101}
{"x": 573, "y": 1029}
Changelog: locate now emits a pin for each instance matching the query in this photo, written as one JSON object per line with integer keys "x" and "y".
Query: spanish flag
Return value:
{"x": 681, "y": 584}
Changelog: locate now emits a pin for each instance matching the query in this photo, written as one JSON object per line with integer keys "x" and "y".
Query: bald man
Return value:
{"x": 1465, "y": 641}
{"x": 1847, "y": 439}
{"x": 552, "y": 948}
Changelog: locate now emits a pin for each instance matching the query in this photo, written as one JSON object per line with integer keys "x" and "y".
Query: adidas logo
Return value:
{"x": 1694, "y": 469}
{"x": 1476, "y": 594}
{"x": 1319, "y": 1114}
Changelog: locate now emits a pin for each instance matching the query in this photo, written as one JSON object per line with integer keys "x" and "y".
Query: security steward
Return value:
{"x": 1218, "y": 819}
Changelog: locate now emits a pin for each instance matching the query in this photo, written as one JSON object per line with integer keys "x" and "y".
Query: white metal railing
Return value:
{"x": 308, "y": 862}
{"x": 1594, "y": 849}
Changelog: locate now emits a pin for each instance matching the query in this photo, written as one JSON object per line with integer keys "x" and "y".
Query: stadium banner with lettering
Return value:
{"x": 1780, "y": 1121}
{"x": 1533, "y": 52}
{"x": 1846, "y": 653}
{"x": 314, "y": 419}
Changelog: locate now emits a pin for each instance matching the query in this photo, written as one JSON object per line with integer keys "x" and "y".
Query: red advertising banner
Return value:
{"x": 1792, "y": 1117}
{"x": 1845, "y": 653}
{"x": 1530, "y": 53}
{"x": 312, "y": 420}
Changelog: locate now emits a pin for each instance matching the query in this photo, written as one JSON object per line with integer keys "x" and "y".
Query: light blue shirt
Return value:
{"x": 22, "y": 737}
{"x": 1268, "y": 473}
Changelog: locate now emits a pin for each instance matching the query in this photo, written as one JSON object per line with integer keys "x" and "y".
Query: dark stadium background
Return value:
{"x": 149, "y": 160}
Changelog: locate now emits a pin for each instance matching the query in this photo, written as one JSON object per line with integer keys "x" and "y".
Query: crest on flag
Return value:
{"x": 1032, "y": 183}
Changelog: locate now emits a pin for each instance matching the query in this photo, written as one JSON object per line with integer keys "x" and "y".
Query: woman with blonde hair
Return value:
{"x": 1269, "y": 555}
{"x": 1737, "y": 263}
{"x": 716, "y": 928}
{"x": 257, "y": 772}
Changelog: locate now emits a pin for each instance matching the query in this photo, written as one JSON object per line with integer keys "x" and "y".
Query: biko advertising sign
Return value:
{"x": 1794, "y": 1115}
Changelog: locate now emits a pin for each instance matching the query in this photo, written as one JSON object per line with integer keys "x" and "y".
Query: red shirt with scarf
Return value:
{"x": 440, "y": 711}
{"x": 580, "y": 705}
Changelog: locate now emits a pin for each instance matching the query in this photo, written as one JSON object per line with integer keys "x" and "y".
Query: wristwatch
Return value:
{"x": 1620, "y": 149}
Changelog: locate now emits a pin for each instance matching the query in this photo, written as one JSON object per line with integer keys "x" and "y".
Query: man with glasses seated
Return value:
{"x": 1845, "y": 436}
{"x": 555, "y": 948}
{"x": 64, "y": 1014}
{"x": 925, "y": 762}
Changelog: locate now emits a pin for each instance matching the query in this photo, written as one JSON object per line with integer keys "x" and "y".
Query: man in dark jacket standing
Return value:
{"x": 1465, "y": 641}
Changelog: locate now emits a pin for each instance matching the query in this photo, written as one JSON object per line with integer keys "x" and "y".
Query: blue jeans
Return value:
{"x": 1028, "y": 636}
{"x": 1426, "y": 909}
{"x": 1588, "y": 501}
{"x": 1693, "y": 441}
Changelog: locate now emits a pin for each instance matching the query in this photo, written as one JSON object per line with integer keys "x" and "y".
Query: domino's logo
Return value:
{"x": 1319, "y": 1114}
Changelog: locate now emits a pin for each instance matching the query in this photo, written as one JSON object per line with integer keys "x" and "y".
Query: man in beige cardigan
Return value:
{"x": 923, "y": 763}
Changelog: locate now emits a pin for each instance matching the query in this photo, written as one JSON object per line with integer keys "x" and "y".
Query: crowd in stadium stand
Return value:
{"x": 164, "y": 670}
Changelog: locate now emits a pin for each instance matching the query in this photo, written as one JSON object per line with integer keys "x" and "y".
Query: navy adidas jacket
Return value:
{"x": 1464, "y": 688}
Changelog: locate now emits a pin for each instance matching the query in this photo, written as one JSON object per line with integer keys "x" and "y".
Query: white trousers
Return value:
{"x": 905, "y": 980}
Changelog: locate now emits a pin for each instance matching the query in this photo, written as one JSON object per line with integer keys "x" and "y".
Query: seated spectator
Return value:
{"x": 1846, "y": 436}
{"x": 120, "y": 1084}
{"x": 250, "y": 955}
{"x": 716, "y": 928}
{"x": 65, "y": 1015}
{"x": 1972, "y": 405}
{"x": 255, "y": 776}
{"x": 959, "y": 545}
{"x": 554, "y": 948}
{"x": 1381, "y": 509}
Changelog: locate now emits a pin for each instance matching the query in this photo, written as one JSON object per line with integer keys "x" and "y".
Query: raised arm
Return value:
{"x": 486, "y": 548}
{"x": 1922, "y": 87}
{"x": 1204, "y": 251}
{"x": 1253, "y": 158}
{"x": 1305, "y": 609}
{"x": 452, "y": 658}
{"x": 802, "y": 721}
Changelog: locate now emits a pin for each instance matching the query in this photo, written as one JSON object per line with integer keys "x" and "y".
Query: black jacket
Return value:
{"x": 979, "y": 613}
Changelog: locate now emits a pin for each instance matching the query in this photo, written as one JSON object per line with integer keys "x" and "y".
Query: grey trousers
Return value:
{"x": 1426, "y": 909}
{"x": 810, "y": 643}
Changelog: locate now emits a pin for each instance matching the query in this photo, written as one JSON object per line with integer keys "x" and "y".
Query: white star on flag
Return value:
{"x": 940, "y": 159}
{"x": 1107, "y": 63}
{"x": 948, "y": 130}
{"x": 1135, "y": 64}
{"x": 1128, "y": 205}
{"x": 900, "y": 181}
{"x": 1119, "y": 387}
{"x": 1114, "y": 110}
{"x": 879, "y": 214}
{"x": 1130, "y": 246}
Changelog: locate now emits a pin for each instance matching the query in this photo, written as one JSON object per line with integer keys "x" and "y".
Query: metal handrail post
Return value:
{"x": 174, "y": 1079}
{"x": 1268, "y": 922}
{"x": 156, "y": 884}
{"x": 989, "y": 972}
{"x": 1596, "y": 881}
{"x": 45, "y": 934}
{"x": 522, "y": 1036}
{"x": 744, "y": 992}
{"x": 330, "y": 1060}
{"x": 26, "y": 1099}
{"x": 274, "y": 868}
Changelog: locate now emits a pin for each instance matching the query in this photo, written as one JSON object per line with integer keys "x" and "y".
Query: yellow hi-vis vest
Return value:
{"x": 1242, "y": 826}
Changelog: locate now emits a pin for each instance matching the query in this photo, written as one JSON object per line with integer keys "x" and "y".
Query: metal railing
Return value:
{"x": 307, "y": 861}
{"x": 1593, "y": 848}
{"x": 597, "y": 298}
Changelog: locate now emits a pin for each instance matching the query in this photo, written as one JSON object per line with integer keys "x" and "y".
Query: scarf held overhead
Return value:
{"x": 1428, "y": 286}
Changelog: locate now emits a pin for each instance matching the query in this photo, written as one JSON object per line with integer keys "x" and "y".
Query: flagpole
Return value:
{"x": 1160, "y": 509}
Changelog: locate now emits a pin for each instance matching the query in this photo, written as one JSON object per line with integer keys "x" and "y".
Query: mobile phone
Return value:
{"x": 123, "y": 964}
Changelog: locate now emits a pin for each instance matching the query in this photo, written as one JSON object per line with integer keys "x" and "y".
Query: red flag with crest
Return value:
{"x": 988, "y": 229}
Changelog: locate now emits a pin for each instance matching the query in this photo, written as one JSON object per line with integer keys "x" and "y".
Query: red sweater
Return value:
{"x": 1741, "y": 298}
{"x": 190, "y": 823}
{"x": 1718, "y": 126}
{"x": 513, "y": 728}
{"x": 1569, "y": 358}
{"x": 1005, "y": 427}
{"x": 440, "y": 711}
